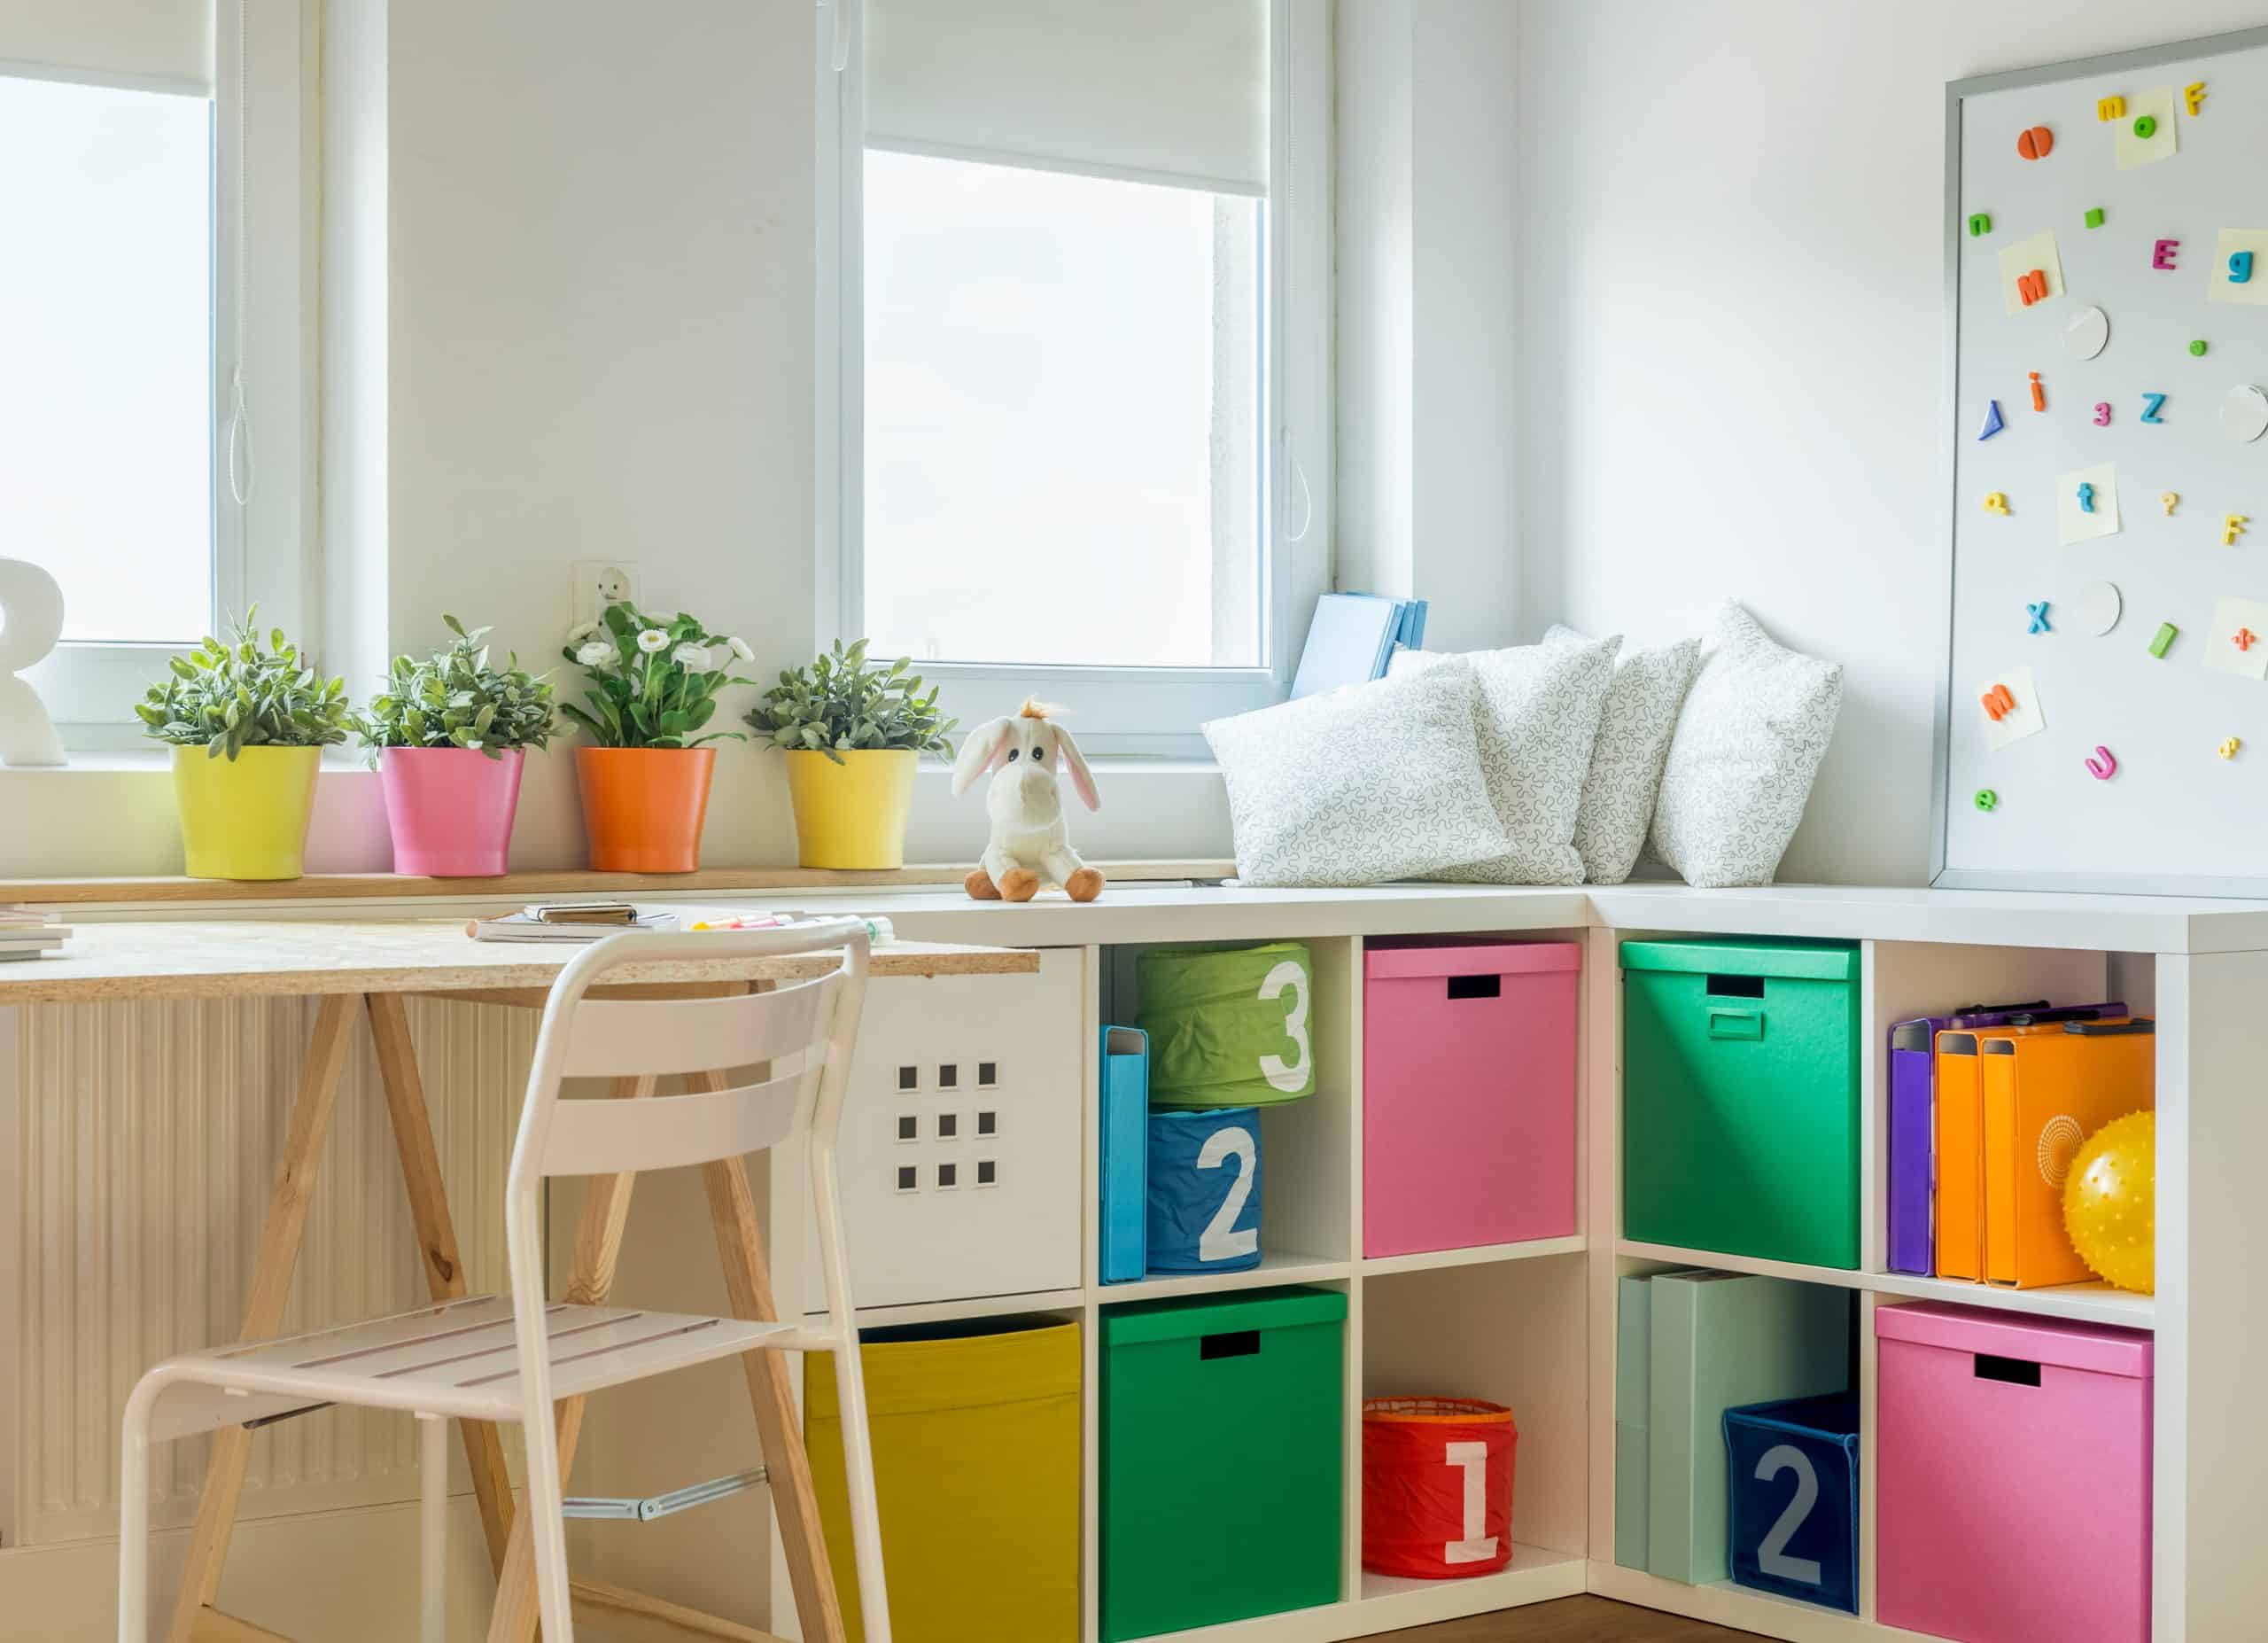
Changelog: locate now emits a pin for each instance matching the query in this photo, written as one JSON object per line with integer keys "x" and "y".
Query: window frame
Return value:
{"x": 263, "y": 551}
{"x": 1124, "y": 710}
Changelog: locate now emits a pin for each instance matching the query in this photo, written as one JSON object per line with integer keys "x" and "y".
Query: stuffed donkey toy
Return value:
{"x": 1030, "y": 845}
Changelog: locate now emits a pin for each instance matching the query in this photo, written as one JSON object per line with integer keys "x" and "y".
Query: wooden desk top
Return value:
{"x": 232, "y": 958}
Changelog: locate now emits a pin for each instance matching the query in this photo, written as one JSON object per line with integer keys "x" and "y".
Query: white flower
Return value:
{"x": 653, "y": 640}
{"x": 598, "y": 653}
{"x": 739, "y": 648}
{"x": 580, "y": 631}
{"x": 695, "y": 657}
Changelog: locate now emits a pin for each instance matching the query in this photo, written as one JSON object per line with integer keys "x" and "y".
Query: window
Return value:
{"x": 124, "y": 322}
{"x": 1072, "y": 307}
{"x": 106, "y": 321}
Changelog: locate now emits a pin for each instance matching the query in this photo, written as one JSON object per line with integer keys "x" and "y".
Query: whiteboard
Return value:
{"x": 2172, "y": 815}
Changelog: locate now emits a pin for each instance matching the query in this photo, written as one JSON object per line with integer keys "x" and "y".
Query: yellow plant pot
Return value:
{"x": 851, "y": 814}
{"x": 245, "y": 817}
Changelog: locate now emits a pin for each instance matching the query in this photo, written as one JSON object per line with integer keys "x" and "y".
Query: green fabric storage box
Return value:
{"x": 1740, "y": 1098}
{"x": 1228, "y": 1026}
{"x": 1223, "y": 1426}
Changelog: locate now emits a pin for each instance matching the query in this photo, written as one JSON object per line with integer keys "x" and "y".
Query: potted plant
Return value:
{"x": 248, "y": 722}
{"x": 852, "y": 731}
{"x": 645, "y": 777}
{"x": 449, "y": 736}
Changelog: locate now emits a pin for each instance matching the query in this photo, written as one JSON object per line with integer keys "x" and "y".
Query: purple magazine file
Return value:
{"x": 1914, "y": 1110}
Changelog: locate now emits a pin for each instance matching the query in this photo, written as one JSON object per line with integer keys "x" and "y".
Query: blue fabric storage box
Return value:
{"x": 1204, "y": 1190}
{"x": 1792, "y": 1510}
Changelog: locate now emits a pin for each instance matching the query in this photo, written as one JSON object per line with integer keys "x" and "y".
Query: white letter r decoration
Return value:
{"x": 31, "y": 621}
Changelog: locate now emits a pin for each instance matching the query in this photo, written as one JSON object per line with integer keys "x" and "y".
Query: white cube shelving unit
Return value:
{"x": 1532, "y": 1325}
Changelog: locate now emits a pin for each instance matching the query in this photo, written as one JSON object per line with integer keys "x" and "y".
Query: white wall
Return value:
{"x": 1730, "y": 327}
{"x": 1426, "y": 214}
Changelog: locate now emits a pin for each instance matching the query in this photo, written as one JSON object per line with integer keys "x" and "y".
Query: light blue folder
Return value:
{"x": 1125, "y": 1169}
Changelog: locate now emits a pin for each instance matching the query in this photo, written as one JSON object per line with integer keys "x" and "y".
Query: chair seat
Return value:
{"x": 454, "y": 1358}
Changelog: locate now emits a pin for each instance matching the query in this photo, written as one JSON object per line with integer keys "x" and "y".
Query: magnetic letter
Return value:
{"x": 2239, "y": 268}
{"x": 2162, "y": 256}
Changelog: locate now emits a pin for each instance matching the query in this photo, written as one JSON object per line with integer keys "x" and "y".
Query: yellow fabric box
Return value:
{"x": 976, "y": 1462}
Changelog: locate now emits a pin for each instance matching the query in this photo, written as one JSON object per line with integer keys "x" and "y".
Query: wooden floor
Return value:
{"x": 1572, "y": 1620}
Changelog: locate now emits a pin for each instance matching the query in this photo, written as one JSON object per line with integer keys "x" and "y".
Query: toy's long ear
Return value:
{"x": 977, "y": 750}
{"x": 1082, "y": 778}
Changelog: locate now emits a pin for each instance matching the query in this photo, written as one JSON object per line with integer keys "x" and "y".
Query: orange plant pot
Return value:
{"x": 643, "y": 806}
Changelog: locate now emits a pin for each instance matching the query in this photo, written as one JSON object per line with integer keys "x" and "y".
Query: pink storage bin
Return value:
{"x": 1468, "y": 1094}
{"x": 2012, "y": 1477}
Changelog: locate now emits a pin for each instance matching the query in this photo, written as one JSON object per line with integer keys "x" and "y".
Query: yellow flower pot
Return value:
{"x": 245, "y": 817}
{"x": 851, "y": 814}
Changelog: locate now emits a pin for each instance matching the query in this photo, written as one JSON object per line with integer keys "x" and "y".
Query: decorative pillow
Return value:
{"x": 1749, "y": 741}
{"x": 1537, "y": 713}
{"x": 1625, "y": 774}
{"x": 1360, "y": 785}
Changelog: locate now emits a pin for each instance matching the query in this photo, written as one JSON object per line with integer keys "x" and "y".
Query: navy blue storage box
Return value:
{"x": 1204, "y": 1189}
{"x": 1792, "y": 1482}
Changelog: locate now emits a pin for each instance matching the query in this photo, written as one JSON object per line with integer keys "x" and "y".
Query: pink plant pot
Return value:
{"x": 450, "y": 809}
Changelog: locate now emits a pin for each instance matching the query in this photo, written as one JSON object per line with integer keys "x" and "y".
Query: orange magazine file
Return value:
{"x": 2043, "y": 1094}
{"x": 1960, "y": 1161}
{"x": 1961, "y": 1147}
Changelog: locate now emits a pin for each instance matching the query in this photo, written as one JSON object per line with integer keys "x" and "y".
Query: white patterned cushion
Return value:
{"x": 1625, "y": 774}
{"x": 1357, "y": 786}
{"x": 1749, "y": 741}
{"x": 1537, "y": 714}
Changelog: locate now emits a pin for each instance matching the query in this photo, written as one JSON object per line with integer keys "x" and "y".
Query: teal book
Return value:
{"x": 1634, "y": 1311}
{"x": 1717, "y": 1340}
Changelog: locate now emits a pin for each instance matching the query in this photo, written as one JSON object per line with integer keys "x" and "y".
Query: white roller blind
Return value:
{"x": 1159, "y": 90}
{"x": 168, "y": 40}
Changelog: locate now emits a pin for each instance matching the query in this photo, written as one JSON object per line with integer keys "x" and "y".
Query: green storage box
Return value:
{"x": 1223, "y": 1420}
{"x": 1228, "y": 1026}
{"x": 1740, "y": 1098}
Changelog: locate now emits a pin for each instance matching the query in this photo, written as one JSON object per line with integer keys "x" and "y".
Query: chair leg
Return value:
{"x": 858, "y": 1474}
{"x": 133, "y": 1519}
{"x": 433, "y": 1528}
{"x": 547, "y": 1522}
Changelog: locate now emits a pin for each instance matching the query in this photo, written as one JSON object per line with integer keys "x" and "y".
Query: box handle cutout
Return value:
{"x": 1735, "y": 1023}
{"x": 1228, "y": 1344}
{"x": 1734, "y": 986}
{"x": 1476, "y": 987}
{"x": 2015, "y": 1370}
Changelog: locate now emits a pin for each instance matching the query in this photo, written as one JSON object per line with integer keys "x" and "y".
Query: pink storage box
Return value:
{"x": 1468, "y": 1094}
{"x": 2012, "y": 1477}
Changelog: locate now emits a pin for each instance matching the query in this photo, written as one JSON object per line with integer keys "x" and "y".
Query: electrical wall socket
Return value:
{"x": 599, "y": 583}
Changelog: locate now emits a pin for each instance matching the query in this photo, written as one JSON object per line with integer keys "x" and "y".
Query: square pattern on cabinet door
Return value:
{"x": 960, "y": 1139}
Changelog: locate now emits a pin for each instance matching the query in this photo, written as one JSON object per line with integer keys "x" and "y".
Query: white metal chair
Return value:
{"x": 496, "y": 1358}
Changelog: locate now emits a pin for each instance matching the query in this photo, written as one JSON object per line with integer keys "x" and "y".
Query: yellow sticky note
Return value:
{"x": 2218, "y": 286}
{"x": 2163, "y": 142}
{"x": 2037, "y": 254}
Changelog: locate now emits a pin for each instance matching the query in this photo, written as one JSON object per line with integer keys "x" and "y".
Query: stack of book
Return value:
{"x": 1353, "y": 638}
{"x": 25, "y": 934}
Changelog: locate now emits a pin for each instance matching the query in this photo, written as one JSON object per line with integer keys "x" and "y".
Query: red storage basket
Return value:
{"x": 1437, "y": 1486}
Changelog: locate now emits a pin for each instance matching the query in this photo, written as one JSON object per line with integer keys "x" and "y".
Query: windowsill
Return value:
{"x": 110, "y": 814}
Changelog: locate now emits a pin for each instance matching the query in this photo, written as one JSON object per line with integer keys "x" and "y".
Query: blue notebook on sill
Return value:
{"x": 1353, "y": 637}
{"x": 1125, "y": 1161}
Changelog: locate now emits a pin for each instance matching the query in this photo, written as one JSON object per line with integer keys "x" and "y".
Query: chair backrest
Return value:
{"x": 796, "y": 1038}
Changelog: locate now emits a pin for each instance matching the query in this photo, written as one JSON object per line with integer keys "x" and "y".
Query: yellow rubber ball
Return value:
{"x": 2110, "y": 1202}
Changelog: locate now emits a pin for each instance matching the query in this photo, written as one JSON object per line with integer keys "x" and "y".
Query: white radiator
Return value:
{"x": 145, "y": 1143}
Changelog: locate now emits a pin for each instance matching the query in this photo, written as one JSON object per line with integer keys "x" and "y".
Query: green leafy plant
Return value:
{"x": 653, "y": 683}
{"x": 226, "y": 697}
{"x": 453, "y": 699}
{"x": 843, "y": 704}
